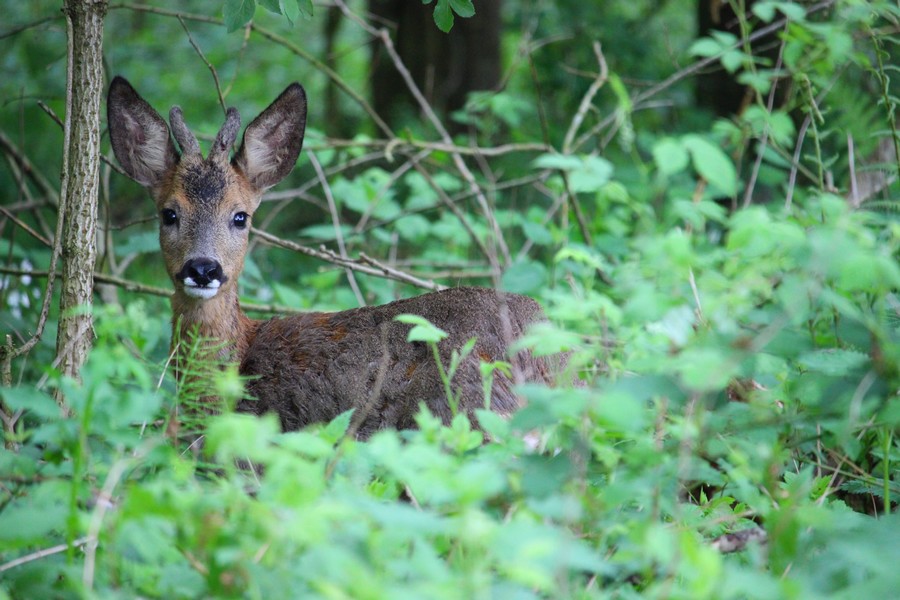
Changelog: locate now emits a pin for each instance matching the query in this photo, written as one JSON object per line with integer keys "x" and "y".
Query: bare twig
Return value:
{"x": 103, "y": 504}
{"x": 140, "y": 288}
{"x": 43, "y": 553}
{"x": 336, "y": 222}
{"x": 760, "y": 151}
{"x": 52, "y": 114}
{"x": 357, "y": 265}
{"x": 598, "y": 82}
{"x": 26, "y": 227}
{"x": 209, "y": 65}
{"x": 8, "y": 146}
{"x": 26, "y": 26}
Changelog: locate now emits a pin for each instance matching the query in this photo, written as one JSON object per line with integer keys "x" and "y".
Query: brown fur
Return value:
{"x": 311, "y": 367}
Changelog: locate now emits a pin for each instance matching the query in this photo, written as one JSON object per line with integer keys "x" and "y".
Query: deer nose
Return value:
{"x": 200, "y": 272}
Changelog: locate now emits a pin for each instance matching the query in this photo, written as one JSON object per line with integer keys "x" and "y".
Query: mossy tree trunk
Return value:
{"x": 80, "y": 180}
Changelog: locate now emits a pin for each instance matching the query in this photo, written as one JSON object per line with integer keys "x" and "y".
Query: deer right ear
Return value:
{"x": 272, "y": 142}
{"x": 140, "y": 137}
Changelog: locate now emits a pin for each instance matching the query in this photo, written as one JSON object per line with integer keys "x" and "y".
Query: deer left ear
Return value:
{"x": 272, "y": 142}
{"x": 140, "y": 138}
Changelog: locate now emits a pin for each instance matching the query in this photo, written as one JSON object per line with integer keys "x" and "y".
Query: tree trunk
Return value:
{"x": 80, "y": 180}
{"x": 445, "y": 66}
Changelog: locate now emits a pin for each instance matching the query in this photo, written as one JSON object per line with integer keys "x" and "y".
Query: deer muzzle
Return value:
{"x": 201, "y": 277}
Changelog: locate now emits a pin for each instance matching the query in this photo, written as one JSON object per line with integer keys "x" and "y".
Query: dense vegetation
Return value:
{"x": 727, "y": 284}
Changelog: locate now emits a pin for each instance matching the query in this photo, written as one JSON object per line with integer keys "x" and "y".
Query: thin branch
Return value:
{"x": 599, "y": 81}
{"x": 336, "y": 222}
{"x": 26, "y": 227}
{"x": 760, "y": 151}
{"x": 8, "y": 146}
{"x": 26, "y": 26}
{"x": 103, "y": 504}
{"x": 140, "y": 288}
{"x": 403, "y": 144}
{"x": 52, "y": 114}
{"x": 360, "y": 265}
{"x": 43, "y": 553}
{"x": 212, "y": 69}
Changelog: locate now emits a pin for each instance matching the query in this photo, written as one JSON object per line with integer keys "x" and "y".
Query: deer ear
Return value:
{"x": 272, "y": 142}
{"x": 140, "y": 137}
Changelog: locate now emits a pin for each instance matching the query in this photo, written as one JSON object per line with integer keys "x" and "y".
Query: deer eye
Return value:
{"x": 169, "y": 216}
{"x": 240, "y": 220}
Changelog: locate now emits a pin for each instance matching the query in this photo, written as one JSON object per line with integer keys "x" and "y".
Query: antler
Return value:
{"x": 183, "y": 135}
{"x": 226, "y": 136}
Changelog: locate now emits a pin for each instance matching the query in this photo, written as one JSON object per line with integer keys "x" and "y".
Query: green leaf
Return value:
{"x": 537, "y": 233}
{"x": 290, "y": 9}
{"x": 338, "y": 426}
{"x": 464, "y": 8}
{"x": 413, "y": 227}
{"x": 443, "y": 15}
{"x": 705, "y": 47}
{"x": 833, "y": 361}
{"x": 306, "y": 8}
{"x": 423, "y": 330}
{"x": 670, "y": 156}
{"x": 712, "y": 164}
{"x": 593, "y": 173}
{"x": 765, "y": 11}
{"x": 272, "y": 5}
{"x": 524, "y": 277}
{"x": 28, "y": 398}
{"x": 563, "y": 162}
{"x": 237, "y": 13}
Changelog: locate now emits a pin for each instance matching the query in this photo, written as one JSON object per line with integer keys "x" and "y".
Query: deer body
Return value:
{"x": 310, "y": 367}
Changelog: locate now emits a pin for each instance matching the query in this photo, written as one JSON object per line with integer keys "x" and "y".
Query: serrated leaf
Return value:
{"x": 237, "y": 13}
{"x": 338, "y": 426}
{"x": 833, "y": 361}
{"x": 31, "y": 399}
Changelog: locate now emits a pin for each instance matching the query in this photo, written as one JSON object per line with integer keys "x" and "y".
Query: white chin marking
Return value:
{"x": 204, "y": 293}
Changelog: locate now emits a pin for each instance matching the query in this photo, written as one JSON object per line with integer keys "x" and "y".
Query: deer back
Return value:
{"x": 311, "y": 367}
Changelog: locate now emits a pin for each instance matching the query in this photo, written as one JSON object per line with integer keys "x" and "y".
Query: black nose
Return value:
{"x": 201, "y": 271}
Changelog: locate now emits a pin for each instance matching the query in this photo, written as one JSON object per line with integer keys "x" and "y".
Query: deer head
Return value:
{"x": 205, "y": 205}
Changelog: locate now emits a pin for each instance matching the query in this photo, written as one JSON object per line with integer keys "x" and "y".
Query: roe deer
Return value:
{"x": 307, "y": 367}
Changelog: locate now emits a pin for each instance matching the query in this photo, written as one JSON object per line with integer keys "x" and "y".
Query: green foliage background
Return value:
{"x": 739, "y": 350}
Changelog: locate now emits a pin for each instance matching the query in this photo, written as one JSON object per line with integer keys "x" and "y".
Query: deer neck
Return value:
{"x": 218, "y": 320}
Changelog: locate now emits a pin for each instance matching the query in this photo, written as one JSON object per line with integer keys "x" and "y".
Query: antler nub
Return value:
{"x": 183, "y": 135}
{"x": 227, "y": 135}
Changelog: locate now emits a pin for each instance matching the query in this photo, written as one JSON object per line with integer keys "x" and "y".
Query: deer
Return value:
{"x": 306, "y": 367}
